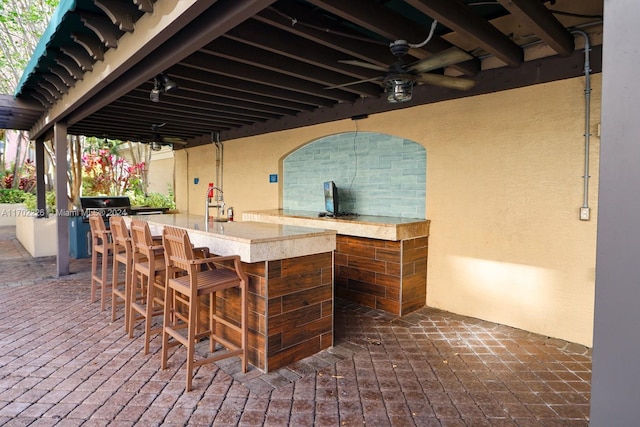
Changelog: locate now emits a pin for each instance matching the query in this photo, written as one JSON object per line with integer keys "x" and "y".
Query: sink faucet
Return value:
{"x": 217, "y": 195}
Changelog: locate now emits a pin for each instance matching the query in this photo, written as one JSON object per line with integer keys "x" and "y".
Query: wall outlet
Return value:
{"x": 584, "y": 214}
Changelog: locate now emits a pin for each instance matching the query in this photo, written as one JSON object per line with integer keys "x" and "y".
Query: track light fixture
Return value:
{"x": 168, "y": 84}
{"x": 162, "y": 83}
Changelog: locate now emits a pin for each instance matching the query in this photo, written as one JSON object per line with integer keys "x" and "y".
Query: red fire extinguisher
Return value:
{"x": 210, "y": 191}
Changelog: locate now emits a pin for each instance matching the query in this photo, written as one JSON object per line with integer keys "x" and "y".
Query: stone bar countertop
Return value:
{"x": 374, "y": 227}
{"x": 253, "y": 241}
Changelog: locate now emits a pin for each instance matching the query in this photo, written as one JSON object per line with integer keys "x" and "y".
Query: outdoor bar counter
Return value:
{"x": 290, "y": 271}
{"x": 380, "y": 262}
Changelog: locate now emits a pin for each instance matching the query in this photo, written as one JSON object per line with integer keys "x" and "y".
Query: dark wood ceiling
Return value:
{"x": 247, "y": 67}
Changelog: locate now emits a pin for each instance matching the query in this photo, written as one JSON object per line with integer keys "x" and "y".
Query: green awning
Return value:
{"x": 40, "y": 53}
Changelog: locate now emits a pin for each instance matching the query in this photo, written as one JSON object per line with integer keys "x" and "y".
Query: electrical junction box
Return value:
{"x": 584, "y": 214}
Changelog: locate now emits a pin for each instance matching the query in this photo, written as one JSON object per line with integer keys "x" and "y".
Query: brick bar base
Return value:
{"x": 386, "y": 275}
{"x": 290, "y": 309}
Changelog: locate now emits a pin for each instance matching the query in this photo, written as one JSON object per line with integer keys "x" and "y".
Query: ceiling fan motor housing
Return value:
{"x": 399, "y": 48}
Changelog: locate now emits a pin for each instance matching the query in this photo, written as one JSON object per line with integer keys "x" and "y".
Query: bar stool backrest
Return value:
{"x": 141, "y": 238}
{"x": 98, "y": 228}
{"x": 120, "y": 233}
{"x": 178, "y": 250}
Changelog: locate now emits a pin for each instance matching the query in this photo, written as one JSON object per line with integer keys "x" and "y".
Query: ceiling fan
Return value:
{"x": 399, "y": 78}
{"x": 157, "y": 140}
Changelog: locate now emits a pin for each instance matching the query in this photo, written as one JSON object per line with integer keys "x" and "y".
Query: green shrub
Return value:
{"x": 153, "y": 200}
{"x": 8, "y": 195}
{"x": 30, "y": 201}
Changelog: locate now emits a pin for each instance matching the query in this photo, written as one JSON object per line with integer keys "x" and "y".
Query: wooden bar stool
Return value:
{"x": 147, "y": 280}
{"x": 122, "y": 255}
{"x": 101, "y": 243}
{"x": 186, "y": 282}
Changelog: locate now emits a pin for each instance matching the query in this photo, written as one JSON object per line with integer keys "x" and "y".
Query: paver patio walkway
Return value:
{"x": 63, "y": 362}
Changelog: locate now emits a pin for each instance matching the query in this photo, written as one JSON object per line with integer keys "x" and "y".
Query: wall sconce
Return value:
{"x": 162, "y": 83}
{"x": 398, "y": 89}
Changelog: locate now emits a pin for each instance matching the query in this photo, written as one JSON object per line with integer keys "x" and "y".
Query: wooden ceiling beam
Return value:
{"x": 211, "y": 78}
{"x": 91, "y": 44}
{"x": 246, "y": 72}
{"x": 70, "y": 65}
{"x": 51, "y": 89}
{"x": 64, "y": 75}
{"x": 40, "y": 98}
{"x": 194, "y": 29}
{"x": 535, "y": 16}
{"x": 185, "y": 102}
{"x": 281, "y": 42}
{"x": 145, "y": 6}
{"x": 141, "y": 106}
{"x": 122, "y": 14}
{"x": 79, "y": 55}
{"x": 246, "y": 54}
{"x": 381, "y": 20}
{"x": 102, "y": 27}
{"x": 133, "y": 108}
{"x": 370, "y": 51}
{"x": 456, "y": 16}
{"x": 229, "y": 93}
{"x": 56, "y": 81}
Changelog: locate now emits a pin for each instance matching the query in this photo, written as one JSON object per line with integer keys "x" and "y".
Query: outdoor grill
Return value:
{"x": 107, "y": 206}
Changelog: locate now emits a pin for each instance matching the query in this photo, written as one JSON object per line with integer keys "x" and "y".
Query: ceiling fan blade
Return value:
{"x": 363, "y": 64}
{"x": 450, "y": 82}
{"x": 355, "y": 83}
{"x": 440, "y": 60}
{"x": 172, "y": 140}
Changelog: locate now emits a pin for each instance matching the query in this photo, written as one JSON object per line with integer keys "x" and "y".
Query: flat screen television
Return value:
{"x": 331, "y": 198}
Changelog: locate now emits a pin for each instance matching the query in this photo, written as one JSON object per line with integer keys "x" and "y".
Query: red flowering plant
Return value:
{"x": 26, "y": 179}
{"x": 104, "y": 173}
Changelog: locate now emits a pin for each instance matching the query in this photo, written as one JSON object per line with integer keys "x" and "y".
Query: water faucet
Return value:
{"x": 217, "y": 195}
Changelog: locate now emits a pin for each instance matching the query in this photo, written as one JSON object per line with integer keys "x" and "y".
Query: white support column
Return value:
{"x": 60, "y": 142}
{"x": 615, "y": 392}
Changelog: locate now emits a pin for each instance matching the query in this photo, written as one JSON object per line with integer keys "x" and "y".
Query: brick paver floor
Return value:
{"x": 63, "y": 362}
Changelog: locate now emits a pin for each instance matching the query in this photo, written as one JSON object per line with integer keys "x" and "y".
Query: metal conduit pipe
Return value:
{"x": 587, "y": 121}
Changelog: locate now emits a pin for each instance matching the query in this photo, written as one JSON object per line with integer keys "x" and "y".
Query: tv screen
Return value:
{"x": 331, "y": 198}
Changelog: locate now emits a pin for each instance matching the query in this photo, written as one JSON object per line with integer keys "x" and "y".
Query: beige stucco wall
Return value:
{"x": 504, "y": 188}
{"x": 161, "y": 175}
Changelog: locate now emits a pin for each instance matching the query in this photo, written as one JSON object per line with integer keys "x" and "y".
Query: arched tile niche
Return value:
{"x": 375, "y": 173}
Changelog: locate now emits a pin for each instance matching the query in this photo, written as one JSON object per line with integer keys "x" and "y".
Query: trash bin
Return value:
{"x": 79, "y": 237}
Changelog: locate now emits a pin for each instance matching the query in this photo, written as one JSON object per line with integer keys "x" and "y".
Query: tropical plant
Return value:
{"x": 153, "y": 200}
{"x": 30, "y": 201}
{"x": 26, "y": 180}
{"x": 10, "y": 195}
{"x": 104, "y": 173}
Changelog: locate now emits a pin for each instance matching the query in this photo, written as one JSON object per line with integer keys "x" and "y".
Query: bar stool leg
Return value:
{"x": 126, "y": 293}
{"x": 191, "y": 339}
{"x": 94, "y": 268}
{"x": 103, "y": 279}
{"x": 167, "y": 319}
{"x": 244, "y": 306}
